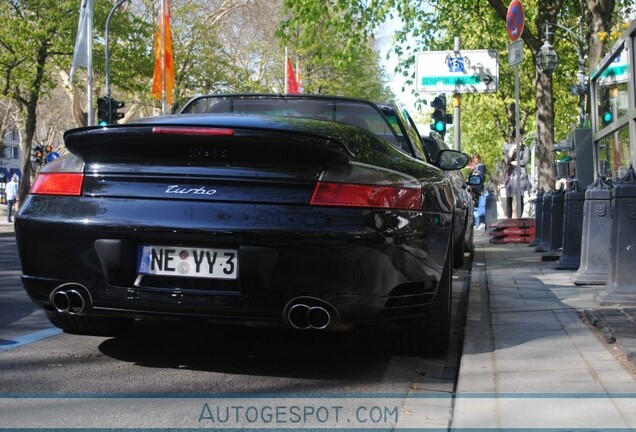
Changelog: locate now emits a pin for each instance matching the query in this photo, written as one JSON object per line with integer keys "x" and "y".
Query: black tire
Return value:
{"x": 469, "y": 245}
{"x": 430, "y": 334}
{"x": 89, "y": 325}
{"x": 458, "y": 251}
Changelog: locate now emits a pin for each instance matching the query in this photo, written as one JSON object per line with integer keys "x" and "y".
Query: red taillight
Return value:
{"x": 170, "y": 130}
{"x": 58, "y": 184}
{"x": 370, "y": 196}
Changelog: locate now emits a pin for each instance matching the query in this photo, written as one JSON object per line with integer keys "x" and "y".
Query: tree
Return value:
{"x": 33, "y": 32}
{"x": 597, "y": 16}
{"x": 333, "y": 61}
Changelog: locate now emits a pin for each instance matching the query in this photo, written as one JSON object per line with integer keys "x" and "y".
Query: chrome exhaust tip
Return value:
{"x": 305, "y": 313}
{"x": 76, "y": 302}
{"x": 71, "y": 298}
{"x": 297, "y": 316}
{"x": 318, "y": 318}
{"x": 60, "y": 301}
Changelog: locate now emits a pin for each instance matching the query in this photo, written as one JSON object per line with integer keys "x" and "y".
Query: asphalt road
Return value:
{"x": 170, "y": 359}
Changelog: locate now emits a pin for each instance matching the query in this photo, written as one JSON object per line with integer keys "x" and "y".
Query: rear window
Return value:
{"x": 355, "y": 113}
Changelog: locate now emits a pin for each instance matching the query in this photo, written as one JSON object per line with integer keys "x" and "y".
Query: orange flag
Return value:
{"x": 163, "y": 78}
{"x": 292, "y": 81}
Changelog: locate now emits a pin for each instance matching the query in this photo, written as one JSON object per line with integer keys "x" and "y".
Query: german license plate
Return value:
{"x": 188, "y": 262}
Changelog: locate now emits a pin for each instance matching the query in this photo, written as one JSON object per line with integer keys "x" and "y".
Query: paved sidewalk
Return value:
{"x": 6, "y": 228}
{"x": 529, "y": 359}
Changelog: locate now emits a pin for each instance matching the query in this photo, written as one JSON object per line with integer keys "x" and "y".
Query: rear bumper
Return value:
{"x": 367, "y": 274}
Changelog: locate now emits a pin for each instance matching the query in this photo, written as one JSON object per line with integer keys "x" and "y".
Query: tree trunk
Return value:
{"x": 598, "y": 14}
{"x": 548, "y": 12}
{"x": 27, "y": 145}
{"x": 30, "y": 106}
{"x": 545, "y": 131}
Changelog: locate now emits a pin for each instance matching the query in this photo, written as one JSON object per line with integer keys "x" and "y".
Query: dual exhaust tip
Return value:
{"x": 301, "y": 313}
{"x": 305, "y": 313}
{"x": 70, "y": 298}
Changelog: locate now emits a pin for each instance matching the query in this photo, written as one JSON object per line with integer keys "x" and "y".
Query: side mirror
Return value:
{"x": 474, "y": 180}
{"x": 450, "y": 160}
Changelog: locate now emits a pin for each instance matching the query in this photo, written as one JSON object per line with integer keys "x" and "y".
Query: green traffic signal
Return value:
{"x": 102, "y": 111}
{"x": 607, "y": 117}
{"x": 439, "y": 117}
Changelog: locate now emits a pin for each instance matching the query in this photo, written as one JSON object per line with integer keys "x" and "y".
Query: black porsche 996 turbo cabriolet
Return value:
{"x": 301, "y": 211}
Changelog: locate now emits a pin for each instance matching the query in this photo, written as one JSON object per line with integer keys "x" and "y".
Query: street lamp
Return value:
{"x": 547, "y": 60}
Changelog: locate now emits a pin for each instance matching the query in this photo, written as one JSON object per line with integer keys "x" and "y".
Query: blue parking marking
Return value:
{"x": 29, "y": 338}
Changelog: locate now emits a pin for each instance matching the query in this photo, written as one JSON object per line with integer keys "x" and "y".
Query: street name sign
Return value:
{"x": 473, "y": 71}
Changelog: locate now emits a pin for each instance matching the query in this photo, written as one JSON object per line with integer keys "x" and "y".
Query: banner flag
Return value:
{"x": 80, "y": 56}
{"x": 291, "y": 79}
{"x": 163, "y": 79}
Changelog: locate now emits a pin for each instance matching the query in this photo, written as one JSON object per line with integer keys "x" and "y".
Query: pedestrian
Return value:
{"x": 12, "y": 195}
{"x": 479, "y": 169}
{"x": 510, "y": 174}
{"x": 480, "y": 212}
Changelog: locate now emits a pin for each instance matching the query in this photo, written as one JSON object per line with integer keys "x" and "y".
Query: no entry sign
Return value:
{"x": 515, "y": 20}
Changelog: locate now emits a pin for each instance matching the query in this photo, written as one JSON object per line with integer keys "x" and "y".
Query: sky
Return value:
{"x": 384, "y": 39}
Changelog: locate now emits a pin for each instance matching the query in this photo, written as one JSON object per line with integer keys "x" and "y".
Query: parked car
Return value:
{"x": 265, "y": 209}
{"x": 431, "y": 146}
{"x": 464, "y": 202}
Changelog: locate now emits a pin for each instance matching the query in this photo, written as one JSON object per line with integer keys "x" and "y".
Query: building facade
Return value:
{"x": 10, "y": 161}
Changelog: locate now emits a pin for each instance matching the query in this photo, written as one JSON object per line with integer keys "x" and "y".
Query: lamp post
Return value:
{"x": 548, "y": 60}
{"x": 107, "y": 53}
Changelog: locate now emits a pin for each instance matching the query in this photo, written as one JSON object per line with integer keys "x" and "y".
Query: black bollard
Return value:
{"x": 556, "y": 232}
{"x": 491, "y": 209}
{"x": 572, "y": 229}
{"x": 621, "y": 288}
{"x": 596, "y": 231}
{"x": 546, "y": 226}
{"x": 538, "y": 220}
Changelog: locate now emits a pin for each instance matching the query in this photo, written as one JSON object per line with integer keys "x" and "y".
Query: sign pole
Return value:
{"x": 457, "y": 99}
{"x": 518, "y": 146}
{"x": 515, "y": 21}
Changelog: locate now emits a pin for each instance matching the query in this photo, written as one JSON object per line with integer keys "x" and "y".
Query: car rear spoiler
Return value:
{"x": 185, "y": 144}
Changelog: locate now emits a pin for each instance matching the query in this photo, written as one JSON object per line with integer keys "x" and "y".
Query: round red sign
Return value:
{"x": 515, "y": 20}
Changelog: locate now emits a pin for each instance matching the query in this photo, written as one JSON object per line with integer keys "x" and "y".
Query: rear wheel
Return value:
{"x": 469, "y": 243}
{"x": 458, "y": 251}
{"x": 89, "y": 325}
{"x": 430, "y": 334}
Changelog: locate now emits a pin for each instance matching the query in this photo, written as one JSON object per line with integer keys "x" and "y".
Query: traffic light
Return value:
{"x": 606, "y": 114}
{"x": 102, "y": 111}
{"x": 38, "y": 155}
{"x": 439, "y": 116}
{"x": 108, "y": 110}
{"x": 115, "y": 106}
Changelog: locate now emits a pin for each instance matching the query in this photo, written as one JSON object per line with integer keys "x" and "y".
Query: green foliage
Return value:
{"x": 33, "y": 31}
{"x": 334, "y": 61}
{"x": 131, "y": 51}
